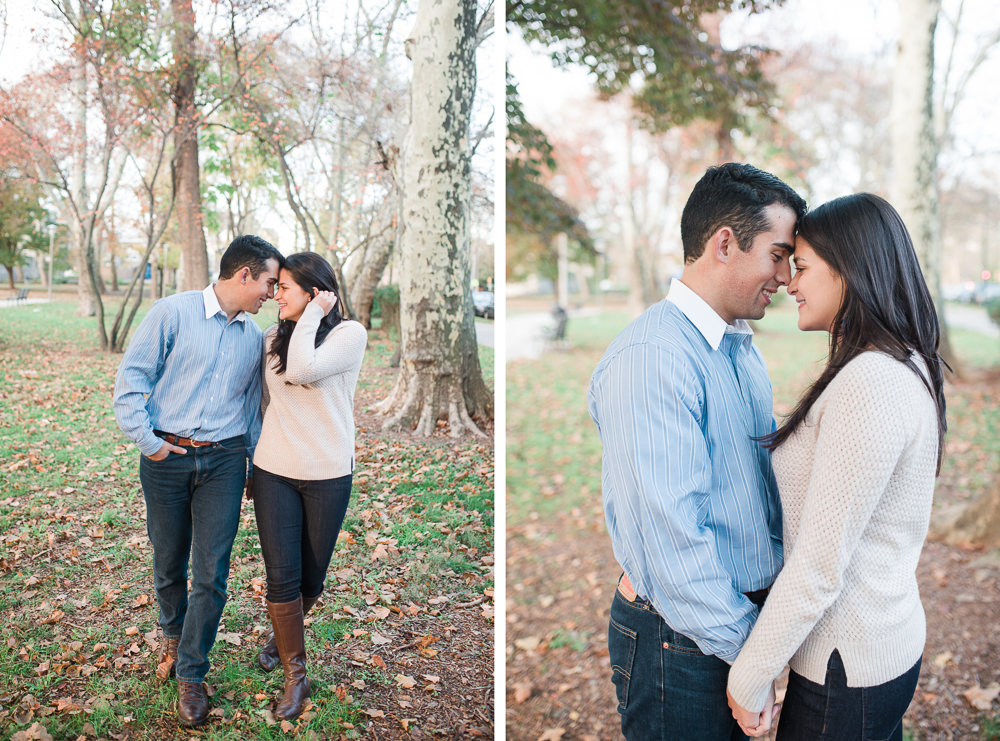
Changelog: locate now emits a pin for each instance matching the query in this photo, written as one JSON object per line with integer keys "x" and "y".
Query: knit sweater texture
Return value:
{"x": 308, "y": 410}
{"x": 856, "y": 481}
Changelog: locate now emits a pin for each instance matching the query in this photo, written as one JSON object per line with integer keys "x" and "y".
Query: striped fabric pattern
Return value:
{"x": 690, "y": 500}
{"x": 189, "y": 372}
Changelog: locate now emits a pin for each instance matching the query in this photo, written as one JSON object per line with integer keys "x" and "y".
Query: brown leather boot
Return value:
{"x": 192, "y": 703}
{"x": 289, "y": 634}
{"x": 268, "y": 657}
{"x": 166, "y": 658}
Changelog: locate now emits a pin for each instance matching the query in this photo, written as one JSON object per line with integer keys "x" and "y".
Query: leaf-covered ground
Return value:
{"x": 561, "y": 572}
{"x": 401, "y": 646}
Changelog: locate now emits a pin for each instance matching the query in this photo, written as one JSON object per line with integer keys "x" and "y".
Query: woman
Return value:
{"x": 305, "y": 456}
{"x": 855, "y": 464}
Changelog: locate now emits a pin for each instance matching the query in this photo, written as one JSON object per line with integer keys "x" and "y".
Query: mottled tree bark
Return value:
{"x": 439, "y": 376}
{"x": 914, "y": 189}
{"x": 187, "y": 175}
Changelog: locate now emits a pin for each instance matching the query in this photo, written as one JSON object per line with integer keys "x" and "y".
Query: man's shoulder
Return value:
{"x": 662, "y": 330}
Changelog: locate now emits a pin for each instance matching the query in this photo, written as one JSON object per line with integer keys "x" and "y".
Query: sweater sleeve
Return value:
{"x": 863, "y": 430}
{"x": 341, "y": 351}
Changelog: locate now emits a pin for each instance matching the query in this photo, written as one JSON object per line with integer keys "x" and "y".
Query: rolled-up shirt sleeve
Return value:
{"x": 254, "y": 416}
{"x": 657, "y": 479}
{"x": 140, "y": 369}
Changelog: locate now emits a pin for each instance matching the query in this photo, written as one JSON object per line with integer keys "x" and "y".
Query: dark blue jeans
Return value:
{"x": 833, "y": 711}
{"x": 192, "y": 513}
{"x": 298, "y": 523}
{"x": 668, "y": 690}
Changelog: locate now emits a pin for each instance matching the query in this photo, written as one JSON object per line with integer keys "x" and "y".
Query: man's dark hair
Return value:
{"x": 736, "y": 196}
{"x": 248, "y": 251}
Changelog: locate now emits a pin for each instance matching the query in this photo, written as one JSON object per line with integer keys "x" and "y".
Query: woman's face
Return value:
{"x": 817, "y": 289}
{"x": 291, "y": 298}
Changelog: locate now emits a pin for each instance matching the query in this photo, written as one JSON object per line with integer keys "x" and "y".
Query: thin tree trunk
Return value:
{"x": 915, "y": 146}
{"x": 439, "y": 375}
{"x": 376, "y": 257}
{"x": 78, "y": 178}
{"x": 186, "y": 170}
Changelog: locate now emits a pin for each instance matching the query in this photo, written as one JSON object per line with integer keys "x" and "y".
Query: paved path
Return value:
{"x": 970, "y": 316}
{"x": 525, "y": 332}
{"x": 484, "y": 334}
{"x": 7, "y": 303}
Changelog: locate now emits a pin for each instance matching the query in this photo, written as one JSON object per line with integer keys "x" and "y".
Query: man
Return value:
{"x": 690, "y": 499}
{"x": 188, "y": 394}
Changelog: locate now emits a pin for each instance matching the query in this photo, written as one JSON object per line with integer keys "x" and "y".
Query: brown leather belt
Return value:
{"x": 184, "y": 442}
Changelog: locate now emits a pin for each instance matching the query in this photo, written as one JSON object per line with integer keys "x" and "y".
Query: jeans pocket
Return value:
{"x": 621, "y": 651}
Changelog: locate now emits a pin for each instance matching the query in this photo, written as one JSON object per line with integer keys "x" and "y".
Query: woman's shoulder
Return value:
{"x": 874, "y": 373}
{"x": 351, "y": 328}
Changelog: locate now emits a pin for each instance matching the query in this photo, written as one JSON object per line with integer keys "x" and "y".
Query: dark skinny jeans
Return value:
{"x": 298, "y": 523}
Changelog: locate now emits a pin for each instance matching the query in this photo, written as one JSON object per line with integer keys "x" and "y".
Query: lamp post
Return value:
{"x": 52, "y": 234}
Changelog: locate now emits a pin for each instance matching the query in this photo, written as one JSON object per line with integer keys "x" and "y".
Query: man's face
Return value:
{"x": 256, "y": 292}
{"x": 753, "y": 276}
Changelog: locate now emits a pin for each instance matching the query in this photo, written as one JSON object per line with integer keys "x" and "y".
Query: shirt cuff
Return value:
{"x": 149, "y": 444}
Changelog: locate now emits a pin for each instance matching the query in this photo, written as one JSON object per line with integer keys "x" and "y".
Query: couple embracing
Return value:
{"x": 746, "y": 546}
{"x": 219, "y": 409}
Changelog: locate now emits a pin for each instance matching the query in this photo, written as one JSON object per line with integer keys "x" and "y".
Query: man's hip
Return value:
{"x": 667, "y": 688}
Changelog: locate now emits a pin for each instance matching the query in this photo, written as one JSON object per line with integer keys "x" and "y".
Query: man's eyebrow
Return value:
{"x": 784, "y": 246}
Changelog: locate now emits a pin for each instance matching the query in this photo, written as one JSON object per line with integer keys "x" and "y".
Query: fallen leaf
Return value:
{"x": 233, "y": 638}
{"x": 405, "y": 722}
{"x": 132, "y": 631}
{"x": 528, "y": 644}
{"x": 163, "y": 670}
{"x": 380, "y": 552}
{"x": 377, "y": 660}
{"x": 36, "y": 732}
{"x": 381, "y": 613}
{"x": 942, "y": 659}
{"x": 405, "y": 682}
{"x": 522, "y": 691}
{"x": 431, "y": 678}
{"x": 141, "y": 601}
{"x": 375, "y": 713}
{"x": 552, "y": 734}
{"x": 54, "y": 617}
{"x": 269, "y": 717}
{"x": 287, "y": 727}
{"x": 358, "y": 684}
{"x": 982, "y": 697}
{"x": 429, "y": 653}
{"x": 380, "y": 640}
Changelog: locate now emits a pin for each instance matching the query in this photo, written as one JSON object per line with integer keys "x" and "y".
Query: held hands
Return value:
{"x": 755, "y": 724}
{"x": 326, "y": 300}
{"x": 248, "y": 489}
{"x": 165, "y": 450}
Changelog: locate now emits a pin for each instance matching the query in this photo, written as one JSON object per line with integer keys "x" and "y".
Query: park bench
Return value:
{"x": 20, "y": 297}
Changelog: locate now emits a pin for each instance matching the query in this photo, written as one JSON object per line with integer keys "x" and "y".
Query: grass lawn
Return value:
{"x": 405, "y": 630}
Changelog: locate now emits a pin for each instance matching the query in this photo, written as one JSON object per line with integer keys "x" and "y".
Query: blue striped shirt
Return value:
{"x": 690, "y": 500}
{"x": 191, "y": 372}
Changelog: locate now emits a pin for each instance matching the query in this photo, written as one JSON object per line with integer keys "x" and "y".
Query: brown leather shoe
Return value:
{"x": 268, "y": 657}
{"x": 192, "y": 703}
{"x": 289, "y": 634}
{"x": 166, "y": 658}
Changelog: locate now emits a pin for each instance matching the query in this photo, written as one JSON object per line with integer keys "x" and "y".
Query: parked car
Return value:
{"x": 482, "y": 303}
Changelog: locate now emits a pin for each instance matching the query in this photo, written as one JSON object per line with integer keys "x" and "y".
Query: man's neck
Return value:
{"x": 224, "y": 292}
{"x": 707, "y": 289}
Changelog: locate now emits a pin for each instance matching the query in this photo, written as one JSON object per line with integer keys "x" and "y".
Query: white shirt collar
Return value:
{"x": 212, "y": 306}
{"x": 702, "y": 316}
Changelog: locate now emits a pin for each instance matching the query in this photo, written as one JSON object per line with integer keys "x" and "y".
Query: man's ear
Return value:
{"x": 723, "y": 242}
{"x": 245, "y": 274}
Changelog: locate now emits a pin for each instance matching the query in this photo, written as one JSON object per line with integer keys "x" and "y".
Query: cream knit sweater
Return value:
{"x": 308, "y": 431}
{"x": 856, "y": 482}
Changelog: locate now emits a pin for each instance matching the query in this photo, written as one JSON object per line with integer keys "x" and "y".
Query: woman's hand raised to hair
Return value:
{"x": 326, "y": 300}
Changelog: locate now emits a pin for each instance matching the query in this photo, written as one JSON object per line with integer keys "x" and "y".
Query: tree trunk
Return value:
{"x": 86, "y": 303}
{"x": 186, "y": 171}
{"x": 376, "y": 257}
{"x": 439, "y": 375}
{"x": 971, "y": 525}
{"x": 915, "y": 148}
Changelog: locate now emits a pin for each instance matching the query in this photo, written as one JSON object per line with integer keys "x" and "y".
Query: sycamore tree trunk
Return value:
{"x": 439, "y": 376}
{"x": 914, "y": 189}
{"x": 187, "y": 175}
